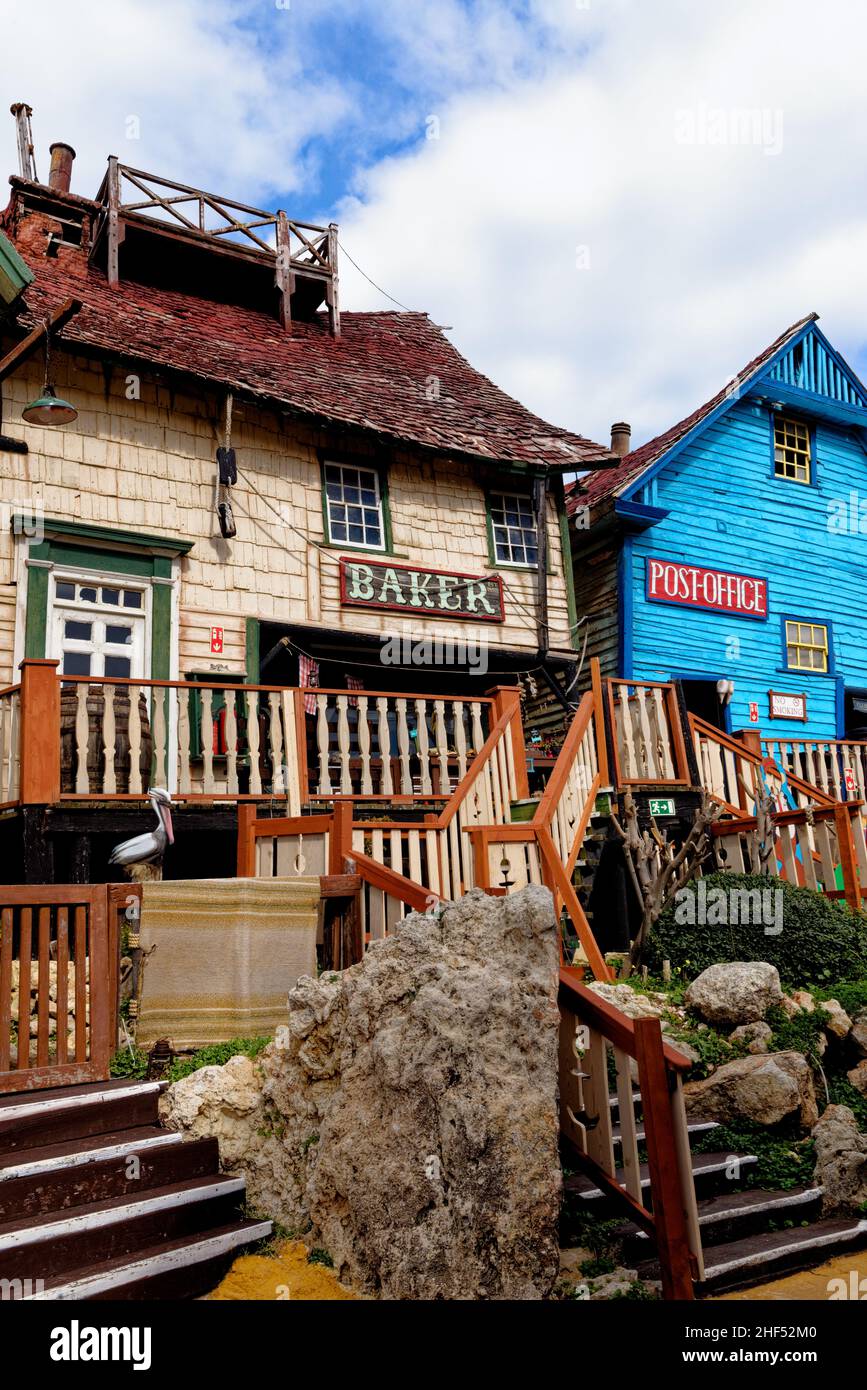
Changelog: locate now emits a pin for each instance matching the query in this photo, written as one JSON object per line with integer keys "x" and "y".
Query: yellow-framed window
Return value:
{"x": 806, "y": 646}
{"x": 792, "y": 459}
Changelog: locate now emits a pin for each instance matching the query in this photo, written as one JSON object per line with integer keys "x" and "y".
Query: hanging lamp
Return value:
{"x": 49, "y": 408}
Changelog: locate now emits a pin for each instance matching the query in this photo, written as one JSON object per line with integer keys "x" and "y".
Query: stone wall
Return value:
{"x": 406, "y": 1115}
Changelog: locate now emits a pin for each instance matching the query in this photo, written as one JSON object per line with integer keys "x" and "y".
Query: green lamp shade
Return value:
{"x": 49, "y": 409}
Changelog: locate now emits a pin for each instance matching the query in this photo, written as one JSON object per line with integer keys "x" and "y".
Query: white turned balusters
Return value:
{"x": 384, "y": 740}
{"x": 185, "y": 784}
{"x": 109, "y": 780}
{"x": 82, "y": 781}
{"x": 231, "y": 744}
{"x": 275, "y": 735}
{"x": 364, "y": 746}
{"x": 423, "y": 747}
{"x": 442, "y": 747}
{"x": 403, "y": 747}
{"x": 343, "y": 745}
{"x": 253, "y": 742}
{"x": 323, "y": 744}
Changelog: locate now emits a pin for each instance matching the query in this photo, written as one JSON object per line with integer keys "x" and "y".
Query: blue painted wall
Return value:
{"x": 728, "y": 512}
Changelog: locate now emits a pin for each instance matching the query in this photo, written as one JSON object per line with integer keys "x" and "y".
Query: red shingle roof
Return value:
{"x": 612, "y": 482}
{"x": 374, "y": 376}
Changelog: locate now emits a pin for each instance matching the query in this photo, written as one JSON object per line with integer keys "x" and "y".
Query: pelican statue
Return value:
{"x": 142, "y": 856}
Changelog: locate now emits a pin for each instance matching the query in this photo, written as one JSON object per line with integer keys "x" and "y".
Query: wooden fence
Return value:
{"x": 60, "y": 944}
{"x": 837, "y": 766}
{"x": 659, "y": 1198}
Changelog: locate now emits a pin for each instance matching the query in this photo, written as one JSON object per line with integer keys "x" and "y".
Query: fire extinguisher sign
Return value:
{"x": 216, "y": 641}
{"x": 754, "y": 713}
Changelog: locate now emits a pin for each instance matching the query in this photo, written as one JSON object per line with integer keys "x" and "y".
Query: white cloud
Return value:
{"x": 699, "y": 254}
{"x": 592, "y": 262}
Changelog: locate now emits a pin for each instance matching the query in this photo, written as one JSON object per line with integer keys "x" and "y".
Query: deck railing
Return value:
{"x": 837, "y": 766}
{"x": 659, "y": 1196}
{"x": 818, "y": 847}
{"x": 59, "y": 945}
{"x": 82, "y": 738}
{"x": 734, "y": 772}
{"x": 649, "y": 747}
{"x": 10, "y": 750}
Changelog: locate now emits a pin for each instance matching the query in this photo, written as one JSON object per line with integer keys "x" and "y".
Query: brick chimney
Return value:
{"x": 621, "y": 434}
{"x": 60, "y": 175}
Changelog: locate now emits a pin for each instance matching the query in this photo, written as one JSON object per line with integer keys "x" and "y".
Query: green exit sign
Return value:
{"x": 661, "y": 806}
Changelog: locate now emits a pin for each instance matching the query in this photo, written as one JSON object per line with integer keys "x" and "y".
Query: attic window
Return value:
{"x": 353, "y": 503}
{"x": 792, "y": 458}
{"x": 513, "y": 528}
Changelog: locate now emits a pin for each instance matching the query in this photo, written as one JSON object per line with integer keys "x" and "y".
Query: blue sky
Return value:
{"x": 623, "y": 202}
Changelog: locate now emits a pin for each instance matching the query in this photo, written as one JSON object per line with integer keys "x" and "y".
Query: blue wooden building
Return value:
{"x": 731, "y": 551}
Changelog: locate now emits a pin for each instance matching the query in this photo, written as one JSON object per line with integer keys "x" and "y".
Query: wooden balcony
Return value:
{"x": 76, "y": 739}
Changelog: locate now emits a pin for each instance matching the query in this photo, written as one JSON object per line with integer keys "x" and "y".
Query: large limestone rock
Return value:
{"x": 407, "y": 1115}
{"x": 857, "y": 1039}
{"x": 841, "y": 1161}
{"x": 763, "y": 1090}
{"x": 734, "y": 993}
{"x": 838, "y": 1023}
{"x": 757, "y": 1036}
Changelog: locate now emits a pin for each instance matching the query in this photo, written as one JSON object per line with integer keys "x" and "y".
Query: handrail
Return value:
{"x": 565, "y": 758}
{"x": 741, "y": 750}
{"x": 588, "y": 1027}
{"x": 394, "y": 884}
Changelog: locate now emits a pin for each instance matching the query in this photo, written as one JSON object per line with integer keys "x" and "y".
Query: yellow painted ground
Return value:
{"x": 286, "y": 1275}
{"x": 811, "y": 1284}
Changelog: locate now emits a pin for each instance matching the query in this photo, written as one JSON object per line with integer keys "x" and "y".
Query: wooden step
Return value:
{"x": 734, "y": 1216}
{"x": 73, "y": 1152}
{"x": 131, "y": 1166}
{"x": 53, "y": 1117}
{"x": 120, "y": 1227}
{"x": 695, "y": 1127}
{"x": 758, "y": 1258}
{"x": 181, "y": 1268}
{"x": 708, "y": 1170}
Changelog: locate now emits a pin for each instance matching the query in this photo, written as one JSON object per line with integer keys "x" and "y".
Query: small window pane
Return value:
{"x": 117, "y": 666}
{"x": 111, "y": 596}
{"x": 118, "y": 636}
{"x": 76, "y": 663}
{"x": 78, "y": 632}
{"x": 65, "y": 590}
{"x": 87, "y": 595}
{"x": 132, "y": 598}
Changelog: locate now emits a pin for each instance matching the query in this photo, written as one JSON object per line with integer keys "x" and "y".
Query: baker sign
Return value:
{"x": 717, "y": 591}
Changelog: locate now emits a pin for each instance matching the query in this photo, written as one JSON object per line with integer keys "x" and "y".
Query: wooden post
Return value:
{"x": 751, "y": 739}
{"x": 332, "y": 288}
{"x": 283, "y": 277}
{"x": 669, "y": 1218}
{"x": 846, "y": 851}
{"x": 40, "y": 733}
{"x": 599, "y": 720}
{"x": 114, "y": 231}
{"x": 246, "y": 840}
{"x": 508, "y": 698}
{"x": 340, "y": 840}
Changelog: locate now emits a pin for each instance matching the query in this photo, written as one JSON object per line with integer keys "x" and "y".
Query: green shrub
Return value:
{"x": 821, "y": 940}
{"x": 127, "y": 1064}
{"x": 216, "y": 1056}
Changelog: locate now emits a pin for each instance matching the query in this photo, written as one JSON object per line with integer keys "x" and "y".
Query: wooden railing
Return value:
{"x": 386, "y": 745}
{"x": 426, "y": 859}
{"x": 80, "y": 738}
{"x": 659, "y": 1196}
{"x": 813, "y": 847}
{"x": 837, "y": 766}
{"x": 649, "y": 747}
{"x": 10, "y": 750}
{"x": 60, "y": 944}
{"x": 545, "y": 849}
{"x": 734, "y": 771}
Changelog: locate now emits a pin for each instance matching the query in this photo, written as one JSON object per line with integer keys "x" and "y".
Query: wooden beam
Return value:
{"x": 56, "y": 320}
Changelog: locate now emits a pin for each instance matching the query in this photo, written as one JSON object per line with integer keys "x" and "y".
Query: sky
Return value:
{"x": 612, "y": 204}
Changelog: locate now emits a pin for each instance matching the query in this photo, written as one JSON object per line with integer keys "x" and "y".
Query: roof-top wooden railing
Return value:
{"x": 658, "y": 1197}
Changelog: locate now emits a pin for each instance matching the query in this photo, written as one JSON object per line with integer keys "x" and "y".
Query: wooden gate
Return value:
{"x": 58, "y": 985}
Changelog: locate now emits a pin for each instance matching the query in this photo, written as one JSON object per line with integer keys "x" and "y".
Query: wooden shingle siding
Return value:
{"x": 149, "y": 465}
{"x": 595, "y": 568}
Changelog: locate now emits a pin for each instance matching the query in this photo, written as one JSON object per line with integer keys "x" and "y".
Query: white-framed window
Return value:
{"x": 513, "y": 528}
{"x": 353, "y": 504}
{"x": 99, "y": 626}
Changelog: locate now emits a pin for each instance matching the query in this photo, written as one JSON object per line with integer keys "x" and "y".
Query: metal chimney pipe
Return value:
{"x": 621, "y": 433}
{"x": 60, "y": 176}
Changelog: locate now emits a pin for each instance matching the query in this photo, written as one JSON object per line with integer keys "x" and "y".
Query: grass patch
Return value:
{"x": 216, "y": 1055}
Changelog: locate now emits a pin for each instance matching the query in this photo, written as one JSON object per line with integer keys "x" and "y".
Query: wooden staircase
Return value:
{"x": 99, "y": 1201}
{"x": 748, "y": 1235}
